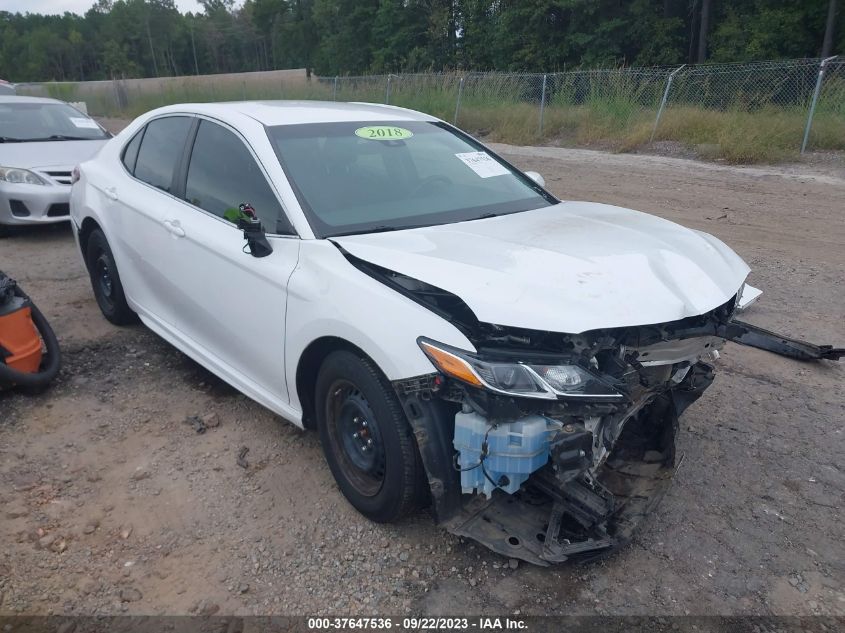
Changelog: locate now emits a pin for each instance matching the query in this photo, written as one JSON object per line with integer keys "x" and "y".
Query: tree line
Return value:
{"x": 149, "y": 38}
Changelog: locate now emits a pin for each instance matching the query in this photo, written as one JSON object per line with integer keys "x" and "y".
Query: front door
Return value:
{"x": 230, "y": 306}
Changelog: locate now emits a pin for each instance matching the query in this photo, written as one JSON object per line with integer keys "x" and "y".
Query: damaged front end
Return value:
{"x": 566, "y": 463}
{"x": 546, "y": 446}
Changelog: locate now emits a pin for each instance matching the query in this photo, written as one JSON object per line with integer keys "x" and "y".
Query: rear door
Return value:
{"x": 230, "y": 306}
{"x": 141, "y": 200}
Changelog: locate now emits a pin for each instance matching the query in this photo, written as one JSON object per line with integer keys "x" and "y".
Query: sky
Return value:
{"x": 74, "y": 6}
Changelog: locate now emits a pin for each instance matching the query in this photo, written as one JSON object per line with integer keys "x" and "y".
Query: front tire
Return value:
{"x": 367, "y": 440}
{"x": 105, "y": 280}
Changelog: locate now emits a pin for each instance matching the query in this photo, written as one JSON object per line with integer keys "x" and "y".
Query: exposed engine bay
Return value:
{"x": 546, "y": 446}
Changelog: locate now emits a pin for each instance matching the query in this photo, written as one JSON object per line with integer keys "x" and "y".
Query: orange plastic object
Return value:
{"x": 19, "y": 336}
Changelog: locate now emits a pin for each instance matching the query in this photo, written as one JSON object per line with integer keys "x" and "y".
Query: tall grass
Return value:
{"x": 767, "y": 135}
{"x": 605, "y": 109}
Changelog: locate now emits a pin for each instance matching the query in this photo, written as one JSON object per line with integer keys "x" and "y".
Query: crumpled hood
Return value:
{"x": 571, "y": 267}
{"x": 45, "y": 154}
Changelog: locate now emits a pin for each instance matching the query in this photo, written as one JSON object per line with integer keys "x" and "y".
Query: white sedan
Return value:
{"x": 457, "y": 335}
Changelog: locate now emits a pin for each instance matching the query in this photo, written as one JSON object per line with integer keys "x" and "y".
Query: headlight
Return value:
{"x": 20, "y": 176}
{"x": 526, "y": 380}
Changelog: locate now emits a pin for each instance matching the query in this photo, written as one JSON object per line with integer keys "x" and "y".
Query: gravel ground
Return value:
{"x": 113, "y": 503}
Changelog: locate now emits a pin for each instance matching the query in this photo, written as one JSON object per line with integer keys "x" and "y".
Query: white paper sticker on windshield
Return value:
{"x": 483, "y": 164}
{"x": 83, "y": 122}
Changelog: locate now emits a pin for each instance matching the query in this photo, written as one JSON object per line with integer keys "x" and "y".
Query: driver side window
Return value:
{"x": 222, "y": 174}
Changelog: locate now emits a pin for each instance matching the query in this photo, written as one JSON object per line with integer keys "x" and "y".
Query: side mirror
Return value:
{"x": 255, "y": 237}
{"x": 533, "y": 175}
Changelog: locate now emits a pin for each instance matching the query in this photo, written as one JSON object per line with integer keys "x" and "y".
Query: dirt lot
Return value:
{"x": 112, "y": 503}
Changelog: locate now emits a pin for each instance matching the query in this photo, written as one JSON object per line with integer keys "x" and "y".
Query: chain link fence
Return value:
{"x": 718, "y": 105}
{"x": 739, "y": 112}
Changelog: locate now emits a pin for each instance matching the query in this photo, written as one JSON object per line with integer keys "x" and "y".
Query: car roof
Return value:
{"x": 272, "y": 113}
{"x": 22, "y": 99}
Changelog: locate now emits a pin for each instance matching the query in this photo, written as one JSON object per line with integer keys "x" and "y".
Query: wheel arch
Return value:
{"x": 308, "y": 367}
{"x": 431, "y": 423}
{"x": 89, "y": 225}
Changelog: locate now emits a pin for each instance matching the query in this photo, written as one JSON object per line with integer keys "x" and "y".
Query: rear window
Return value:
{"x": 161, "y": 149}
{"x": 130, "y": 153}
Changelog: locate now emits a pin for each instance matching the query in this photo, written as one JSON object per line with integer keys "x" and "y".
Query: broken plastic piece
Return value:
{"x": 749, "y": 295}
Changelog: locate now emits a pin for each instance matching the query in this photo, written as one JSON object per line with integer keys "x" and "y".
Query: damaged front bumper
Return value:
{"x": 554, "y": 518}
{"x": 549, "y": 480}
{"x": 569, "y": 507}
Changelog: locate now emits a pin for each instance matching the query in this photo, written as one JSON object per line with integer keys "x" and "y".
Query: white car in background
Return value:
{"x": 456, "y": 334}
{"x": 41, "y": 140}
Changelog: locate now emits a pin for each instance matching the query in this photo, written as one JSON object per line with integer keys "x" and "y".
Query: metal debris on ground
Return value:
{"x": 242, "y": 457}
{"x": 196, "y": 422}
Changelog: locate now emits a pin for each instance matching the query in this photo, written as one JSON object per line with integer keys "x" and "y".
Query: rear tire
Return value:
{"x": 105, "y": 280}
{"x": 367, "y": 440}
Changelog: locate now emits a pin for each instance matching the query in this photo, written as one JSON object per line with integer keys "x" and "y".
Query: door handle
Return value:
{"x": 174, "y": 227}
{"x": 111, "y": 192}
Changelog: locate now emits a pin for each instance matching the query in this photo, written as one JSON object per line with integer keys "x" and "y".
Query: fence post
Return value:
{"x": 663, "y": 101}
{"x": 813, "y": 102}
{"x": 387, "y": 94}
{"x": 458, "y": 104}
{"x": 334, "y": 89}
{"x": 542, "y": 104}
{"x": 116, "y": 94}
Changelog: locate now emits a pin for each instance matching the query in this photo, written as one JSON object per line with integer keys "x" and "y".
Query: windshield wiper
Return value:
{"x": 65, "y": 137}
{"x": 382, "y": 228}
{"x": 54, "y": 137}
{"x": 9, "y": 139}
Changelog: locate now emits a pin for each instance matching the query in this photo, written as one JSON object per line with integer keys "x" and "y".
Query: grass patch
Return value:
{"x": 766, "y": 135}
{"x": 609, "y": 113}
{"x": 828, "y": 131}
{"x": 63, "y": 91}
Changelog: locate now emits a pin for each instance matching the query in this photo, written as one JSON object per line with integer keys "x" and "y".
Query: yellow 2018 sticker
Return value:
{"x": 383, "y": 133}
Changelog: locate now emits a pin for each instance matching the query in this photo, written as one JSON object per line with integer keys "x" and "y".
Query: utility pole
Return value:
{"x": 702, "y": 33}
{"x": 152, "y": 50}
{"x": 194, "y": 47}
{"x": 273, "y": 40}
{"x": 694, "y": 14}
{"x": 828, "y": 31}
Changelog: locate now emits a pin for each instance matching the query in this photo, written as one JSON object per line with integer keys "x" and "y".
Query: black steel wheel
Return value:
{"x": 367, "y": 440}
{"x": 105, "y": 281}
{"x": 353, "y": 428}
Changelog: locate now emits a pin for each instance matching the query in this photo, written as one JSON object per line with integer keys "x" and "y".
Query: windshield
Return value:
{"x": 34, "y": 121}
{"x": 361, "y": 177}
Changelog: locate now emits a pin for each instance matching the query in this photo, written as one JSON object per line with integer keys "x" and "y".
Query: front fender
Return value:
{"x": 327, "y": 296}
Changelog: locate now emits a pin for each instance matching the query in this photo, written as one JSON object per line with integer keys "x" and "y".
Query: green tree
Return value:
{"x": 346, "y": 35}
{"x": 116, "y": 60}
{"x": 151, "y": 37}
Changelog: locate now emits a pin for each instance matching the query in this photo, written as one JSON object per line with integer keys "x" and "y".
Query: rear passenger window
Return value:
{"x": 223, "y": 174}
{"x": 161, "y": 149}
{"x": 130, "y": 153}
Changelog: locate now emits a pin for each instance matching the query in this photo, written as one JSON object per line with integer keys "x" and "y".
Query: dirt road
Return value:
{"x": 112, "y": 503}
